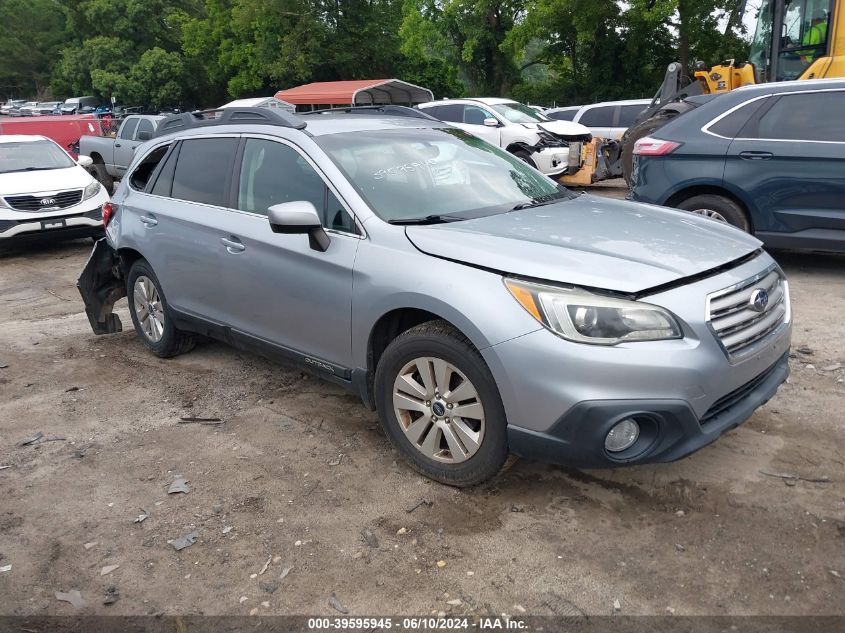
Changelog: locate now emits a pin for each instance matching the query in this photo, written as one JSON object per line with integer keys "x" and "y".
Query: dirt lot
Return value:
{"x": 300, "y": 475}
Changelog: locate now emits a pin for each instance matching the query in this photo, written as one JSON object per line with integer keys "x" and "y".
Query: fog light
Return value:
{"x": 622, "y": 436}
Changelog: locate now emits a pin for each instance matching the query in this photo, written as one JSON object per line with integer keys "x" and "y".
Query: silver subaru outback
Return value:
{"x": 479, "y": 307}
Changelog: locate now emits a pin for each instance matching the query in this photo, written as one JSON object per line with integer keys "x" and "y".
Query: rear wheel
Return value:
{"x": 440, "y": 407}
{"x": 719, "y": 208}
{"x": 634, "y": 134}
{"x": 151, "y": 314}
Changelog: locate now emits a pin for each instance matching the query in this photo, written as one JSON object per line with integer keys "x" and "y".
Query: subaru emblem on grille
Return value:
{"x": 48, "y": 202}
{"x": 759, "y": 300}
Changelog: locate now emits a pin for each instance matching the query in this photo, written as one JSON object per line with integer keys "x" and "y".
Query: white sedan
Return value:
{"x": 44, "y": 192}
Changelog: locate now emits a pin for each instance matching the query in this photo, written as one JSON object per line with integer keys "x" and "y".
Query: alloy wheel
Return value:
{"x": 710, "y": 213}
{"x": 148, "y": 308}
{"x": 439, "y": 410}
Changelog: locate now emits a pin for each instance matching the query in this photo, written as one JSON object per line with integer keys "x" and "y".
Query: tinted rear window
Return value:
{"x": 629, "y": 113}
{"x": 810, "y": 116}
{"x": 453, "y": 113}
{"x": 204, "y": 170}
{"x": 732, "y": 125}
{"x": 564, "y": 115}
{"x": 598, "y": 117}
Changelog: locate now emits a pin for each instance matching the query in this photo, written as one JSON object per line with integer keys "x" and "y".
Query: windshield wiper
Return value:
{"x": 11, "y": 171}
{"x": 536, "y": 203}
{"x": 429, "y": 219}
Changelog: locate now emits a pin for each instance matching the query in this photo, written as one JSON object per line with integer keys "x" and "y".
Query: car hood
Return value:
{"x": 591, "y": 242}
{"x": 564, "y": 128}
{"x": 25, "y": 182}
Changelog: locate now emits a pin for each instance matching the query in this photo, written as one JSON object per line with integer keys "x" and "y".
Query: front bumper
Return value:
{"x": 671, "y": 428}
{"x": 561, "y": 398}
{"x": 64, "y": 226}
{"x": 552, "y": 161}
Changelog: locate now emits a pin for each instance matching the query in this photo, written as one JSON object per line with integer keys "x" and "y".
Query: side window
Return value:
{"x": 164, "y": 181}
{"x": 128, "y": 129}
{"x": 453, "y": 113}
{"x": 273, "y": 173}
{"x": 473, "y": 115}
{"x": 598, "y": 117}
{"x": 810, "y": 116}
{"x": 731, "y": 125}
{"x": 145, "y": 125}
{"x": 628, "y": 114}
{"x": 562, "y": 115}
{"x": 204, "y": 170}
{"x": 140, "y": 177}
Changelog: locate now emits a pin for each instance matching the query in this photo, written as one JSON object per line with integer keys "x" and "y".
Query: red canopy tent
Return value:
{"x": 358, "y": 92}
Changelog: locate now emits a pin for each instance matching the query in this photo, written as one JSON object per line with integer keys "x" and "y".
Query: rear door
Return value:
{"x": 178, "y": 222}
{"x": 790, "y": 161}
{"x": 279, "y": 290}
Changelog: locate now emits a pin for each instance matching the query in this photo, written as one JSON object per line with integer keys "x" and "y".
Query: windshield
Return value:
{"x": 518, "y": 113}
{"x": 408, "y": 175}
{"x": 803, "y": 38}
{"x": 32, "y": 156}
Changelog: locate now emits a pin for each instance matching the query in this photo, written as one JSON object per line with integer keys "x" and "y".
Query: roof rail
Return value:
{"x": 229, "y": 116}
{"x": 388, "y": 110}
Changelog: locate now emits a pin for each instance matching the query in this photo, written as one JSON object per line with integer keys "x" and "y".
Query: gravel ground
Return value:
{"x": 297, "y": 494}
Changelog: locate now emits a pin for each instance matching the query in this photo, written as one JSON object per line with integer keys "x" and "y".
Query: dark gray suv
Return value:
{"x": 478, "y": 306}
{"x": 768, "y": 159}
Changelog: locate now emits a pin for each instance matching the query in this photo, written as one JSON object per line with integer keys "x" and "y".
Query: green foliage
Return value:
{"x": 30, "y": 38}
{"x": 204, "y": 52}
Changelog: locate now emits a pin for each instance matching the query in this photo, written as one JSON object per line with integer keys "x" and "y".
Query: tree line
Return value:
{"x": 198, "y": 53}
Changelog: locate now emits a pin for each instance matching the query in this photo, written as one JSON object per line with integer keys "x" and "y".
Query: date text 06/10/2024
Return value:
{"x": 417, "y": 624}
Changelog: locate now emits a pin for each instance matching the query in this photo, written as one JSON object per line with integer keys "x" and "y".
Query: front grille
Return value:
{"x": 736, "y": 396}
{"x": 61, "y": 200}
{"x": 734, "y": 320}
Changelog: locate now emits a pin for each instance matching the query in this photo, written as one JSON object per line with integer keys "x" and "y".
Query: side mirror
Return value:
{"x": 85, "y": 161}
{"x": 299, "y": 217}
{"x": 145, "y": 135}
{"x": 491, "y": 122}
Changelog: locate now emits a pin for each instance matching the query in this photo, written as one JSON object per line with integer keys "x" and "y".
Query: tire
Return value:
{"x": 718, "y": 208}
{"x": 634, "y": 134}
{"x": 103, "y": 177}
{"x": 454, "y": 450}
{"x": 525, "y": 157}
{"x": 157, "y": 331}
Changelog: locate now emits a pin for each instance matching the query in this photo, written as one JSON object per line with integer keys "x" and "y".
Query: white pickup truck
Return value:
{"x": 112, "y": 156}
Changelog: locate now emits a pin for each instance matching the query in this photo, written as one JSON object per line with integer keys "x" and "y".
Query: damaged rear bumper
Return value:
{"x": 101, "y": 285}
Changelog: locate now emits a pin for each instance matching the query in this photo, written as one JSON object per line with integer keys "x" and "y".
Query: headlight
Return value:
{"x": 91, "y": 190}
{"x": 584, "y": 317}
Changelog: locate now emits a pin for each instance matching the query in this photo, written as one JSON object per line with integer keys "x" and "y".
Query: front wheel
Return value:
{"x": 440, "y": 407}
{"x": 103, "y": 177}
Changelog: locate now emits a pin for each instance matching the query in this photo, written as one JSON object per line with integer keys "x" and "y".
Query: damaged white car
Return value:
{"x": 553, "y": 147}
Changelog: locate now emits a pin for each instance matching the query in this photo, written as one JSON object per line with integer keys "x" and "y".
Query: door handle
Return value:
{"x": 117, "y": 144}
{"x": 756, "y": 155}
{"x": 233, "y": 245}
{"x": 148, "y": 221}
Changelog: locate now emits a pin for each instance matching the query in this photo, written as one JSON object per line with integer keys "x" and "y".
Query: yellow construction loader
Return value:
{"x": 793, "y": 40}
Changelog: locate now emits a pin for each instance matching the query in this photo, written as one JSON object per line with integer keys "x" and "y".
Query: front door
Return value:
{"x": 280, "y": 290}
